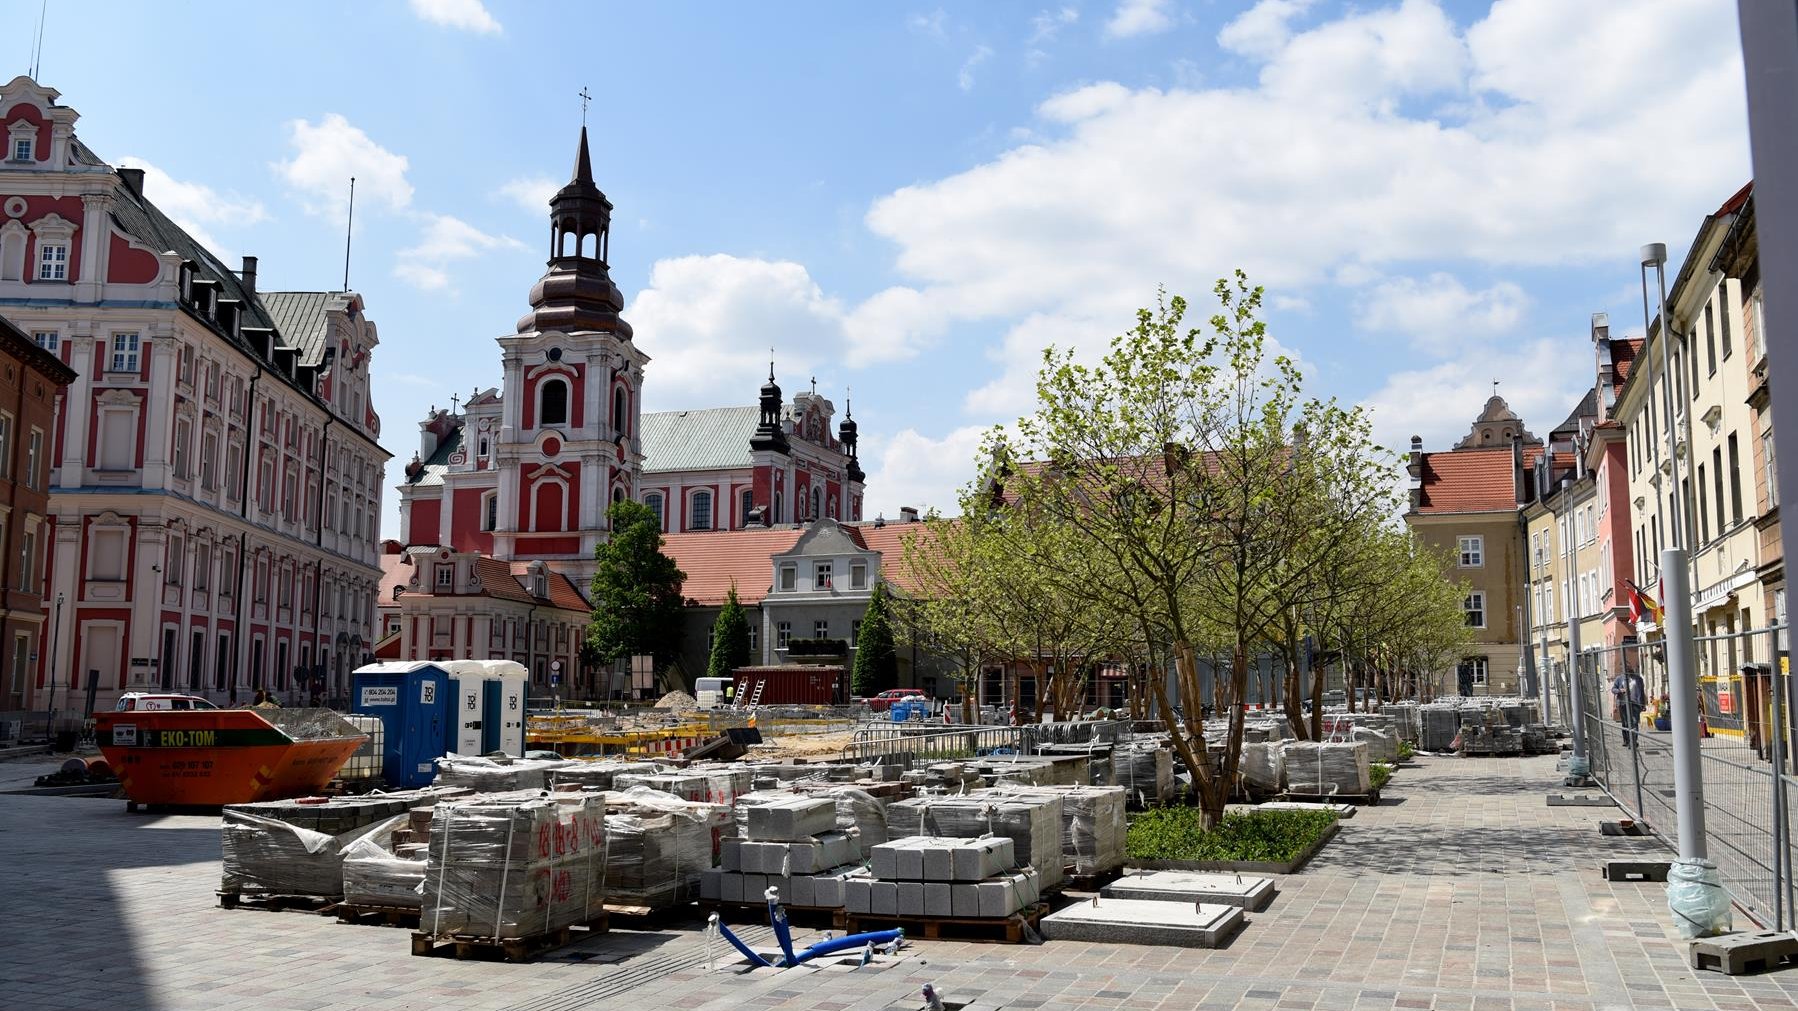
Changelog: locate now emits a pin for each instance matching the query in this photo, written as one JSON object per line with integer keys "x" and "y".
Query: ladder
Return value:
{"x": 755, "y": 694}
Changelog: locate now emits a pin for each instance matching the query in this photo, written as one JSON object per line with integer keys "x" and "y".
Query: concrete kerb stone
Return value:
{"x": 1144, "y": 921}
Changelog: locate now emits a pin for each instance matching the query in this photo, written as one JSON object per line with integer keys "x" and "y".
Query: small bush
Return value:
{"x": 1175, "y": 833}
{"x": 1405, "y": 750}
{"x": 1380, "y": 774}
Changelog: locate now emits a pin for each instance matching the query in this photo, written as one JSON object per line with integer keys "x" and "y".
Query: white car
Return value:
{"x": 159, "y": 702}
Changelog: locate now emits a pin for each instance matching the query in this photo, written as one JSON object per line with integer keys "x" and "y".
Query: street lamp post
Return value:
{"x": 55, "y": 637}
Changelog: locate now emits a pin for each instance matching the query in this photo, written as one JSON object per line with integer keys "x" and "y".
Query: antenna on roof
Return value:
{"x": 37, "y": 45}
{"x": 349, "y": 229}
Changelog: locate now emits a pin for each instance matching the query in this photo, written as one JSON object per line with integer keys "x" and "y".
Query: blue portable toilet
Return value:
{"x": 412, "y": 700}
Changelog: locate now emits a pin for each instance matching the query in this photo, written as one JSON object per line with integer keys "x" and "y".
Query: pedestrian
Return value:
{"x": 1629, "y": 697}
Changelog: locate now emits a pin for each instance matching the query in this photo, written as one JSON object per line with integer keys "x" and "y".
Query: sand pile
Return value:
{"x": 678, "y": 701}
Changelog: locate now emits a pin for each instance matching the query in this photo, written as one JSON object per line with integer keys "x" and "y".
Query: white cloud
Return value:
{"x": 1049, "y": 23}
{"x": 468, "y": 15}
{"x": 1541, "y": 379}
{"x": 442, "y": 241}
{"x": 530, "y": 192}
{"x": 912, "y": 469}
{"x": 1262, "y": 29}
{"x": 327, "y": 154}
{"x": 196, "y": 207}
{"x": 1139, "y": 17}
{"x": 934, "y": 24}
{"x": 1440, "y": 313}
{"x": 965, "y": 78}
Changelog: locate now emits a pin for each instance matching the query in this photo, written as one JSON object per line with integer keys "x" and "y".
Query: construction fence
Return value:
{"x": 1747, "y": 759}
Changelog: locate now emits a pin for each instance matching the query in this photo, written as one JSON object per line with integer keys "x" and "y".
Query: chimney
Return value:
{"x": 248, "y": 274}
{"x": 1607, "y": 376}
{"x": 1518, "y": 486}
{"x": 134, "y": 180}
{"x": 908, "y": 514}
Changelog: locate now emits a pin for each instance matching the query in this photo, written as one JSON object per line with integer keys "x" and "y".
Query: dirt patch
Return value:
{"x": 801, "y": 746}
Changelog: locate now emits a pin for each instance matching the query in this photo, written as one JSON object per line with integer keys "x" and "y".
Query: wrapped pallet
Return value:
{"x": 1092, "y": 824}
{"x": 497, "y": 775}
{"x": 1145, "y": 769}
{"x": 596, "y": 774}
{"x": 267, "y": 856}
{"x": 1321, "y": 770}
{"x": 375, "y": 875}
{"x": 1263, "y": 766}
{"x": 505, "y": 867}
{"x": 1382, "y": 746}
{"x": 1033, "y": 824}
{"x": 658, "y": 845}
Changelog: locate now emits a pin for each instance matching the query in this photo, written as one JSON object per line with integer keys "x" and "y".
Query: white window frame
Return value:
{"x": 34, "y": 459}
{"x": 1473, "y": 551}
{"x": 489, "y": 511}
{"x": 693, "y": 499}
{"x": 822, "y": 575}
{"x": 858, "y": 575}
{"x": 24, "y": 147}
{"x": 1475, "y": 603}
{"x": 124, "y": 349}
{"x": 821, "y": 628}
{"x": 53, "y": 261}
{"x": 49, "y": 340}
{"x": 445, "y": 576}
{"x": 789, "y": 578}
{"x": 783, "y": 634}
{"x": 567, "y": 401}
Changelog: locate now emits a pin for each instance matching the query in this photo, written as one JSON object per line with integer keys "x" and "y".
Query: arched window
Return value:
{"x": 490, "y": 511}
{"x": 654, "y": 501}
{"x": 620, "y": 408}
{"x": 552, "y": 402}
{"x": 779, "y": 503}
{"x": 817, "y": 502}
{"x": 617, "y": 494}
{"x": 748, "y": 503}
{"x": 547, "y": 500}
{"x": 699, "y": 513}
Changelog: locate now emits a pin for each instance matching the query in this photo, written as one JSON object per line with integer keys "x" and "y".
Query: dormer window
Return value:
{"x": 22, "y": 145}
{"x": 446, "y": 576}
{"x": 858, "y": 575}
{"x": 789, "y": 577}
{"x": 22, "y": 148}
{"x": 53, "y": 261}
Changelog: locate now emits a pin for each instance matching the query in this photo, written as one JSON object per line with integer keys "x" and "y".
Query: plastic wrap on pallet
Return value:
{"x": 1264, "y": 766}
{"x": 374, "y": 875}
{"x": 1381, "y": 746}
{"x": 487, "y": 775}
{"x": 863, "y": 812}
{"x": 658, "y": 846}
{"x": 1033, "y": 824}
{"x": 707, "y": 785}
{"x": 515, "y": 867}
{"x": 1145, "y": 770}
{"x": 596, "y": 774}
{"x": 270, "y": 857}
{"x": 1092, "y": 824}
{"x": 1314, "y": 769}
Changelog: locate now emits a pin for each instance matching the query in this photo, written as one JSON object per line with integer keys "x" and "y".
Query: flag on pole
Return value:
{"x": 1642, "y": 605}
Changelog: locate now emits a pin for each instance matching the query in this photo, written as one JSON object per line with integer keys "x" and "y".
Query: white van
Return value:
{"x": 714, "y": 693}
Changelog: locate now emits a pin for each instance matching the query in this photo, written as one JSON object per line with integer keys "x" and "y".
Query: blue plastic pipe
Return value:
{"x": 777, "y": 917}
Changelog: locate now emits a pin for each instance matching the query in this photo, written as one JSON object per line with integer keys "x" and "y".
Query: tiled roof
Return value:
{"x": 713, "y": 439}
{"x": 1623, "y": 360}
{"x": 562, "y": 591}
{"x": 1468, "y": 480}
{"x": 301, "y": 318}
{"x": 497, "y": 580}
{"x": 395, "y": 572}
{"x": 890, "y": 541}
{"x": 714, "y": 560}
{"x": 438, "y": 465}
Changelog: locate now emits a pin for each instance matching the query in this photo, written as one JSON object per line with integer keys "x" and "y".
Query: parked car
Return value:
{"x": 163, "y": 702}
{"x": 884, "y": 701}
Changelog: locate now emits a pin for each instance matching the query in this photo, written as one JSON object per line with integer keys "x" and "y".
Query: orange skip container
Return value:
{"x": 211, "y": 757}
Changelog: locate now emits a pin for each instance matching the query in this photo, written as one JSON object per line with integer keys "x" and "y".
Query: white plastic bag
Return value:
{"x": 1697, "y": 900}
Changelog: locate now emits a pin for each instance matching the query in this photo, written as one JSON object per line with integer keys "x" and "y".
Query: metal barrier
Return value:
{"x": 934, "y": 742}
{"x": 1746, "y": 757}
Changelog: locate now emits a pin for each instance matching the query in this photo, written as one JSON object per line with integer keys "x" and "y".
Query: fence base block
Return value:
{"x": 1635, "y": 870}
{"x": 1579, "y": 800}
{"x": 1739, "y": 954}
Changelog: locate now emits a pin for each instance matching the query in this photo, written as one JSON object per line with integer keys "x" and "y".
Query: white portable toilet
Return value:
{"x": 467, "y": 680}
{"x": 505, "y": 706}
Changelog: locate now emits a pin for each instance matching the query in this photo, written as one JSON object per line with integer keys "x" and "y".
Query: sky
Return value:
{"x": 908, "y": 201}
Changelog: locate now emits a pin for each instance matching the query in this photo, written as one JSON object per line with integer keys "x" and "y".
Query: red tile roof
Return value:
{"x": 1623, "y": 360}
{"x": 714, "y": 560}
{"x": 890, "y": 542}
{"x": 1469, "y": 480}
{"x": 1734, "y": 204}
{"x": 562, "y": 591}
{"x": 395, "y": 573}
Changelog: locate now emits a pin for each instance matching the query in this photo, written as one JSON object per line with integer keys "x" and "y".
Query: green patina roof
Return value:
{"x": 713, "y": 439}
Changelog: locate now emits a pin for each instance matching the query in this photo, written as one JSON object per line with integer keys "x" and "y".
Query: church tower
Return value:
{"x": 568, "y": 442}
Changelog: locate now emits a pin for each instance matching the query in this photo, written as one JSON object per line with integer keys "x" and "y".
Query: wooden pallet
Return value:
{"x": 385, "y": 916}
{"x": 992, "y": 930}
{"x": 1369, "y": 798}
{"x": 320, "y": 904}
{"x": 512, "y": 949}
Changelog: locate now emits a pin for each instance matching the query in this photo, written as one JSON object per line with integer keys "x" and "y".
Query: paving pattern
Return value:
{"x": 1462, "y": 890}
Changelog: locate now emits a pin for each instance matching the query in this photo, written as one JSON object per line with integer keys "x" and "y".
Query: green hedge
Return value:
{"x": 1379, "y": 774}
{"x": 1174, "y": 833}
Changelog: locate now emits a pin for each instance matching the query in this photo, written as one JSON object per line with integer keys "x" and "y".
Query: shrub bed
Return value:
{"x": 1379, "y": 774}
{"x": 1175, "y": 833}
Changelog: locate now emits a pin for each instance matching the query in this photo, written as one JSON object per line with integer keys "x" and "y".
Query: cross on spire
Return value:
{"x": 814, "y": 386}
{"x": 586, "y": 97}
{"x": 1495, "y": 387}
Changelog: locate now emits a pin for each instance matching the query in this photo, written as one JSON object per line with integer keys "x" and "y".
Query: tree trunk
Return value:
{"x": 1295, "y": 716}
{"x": 1201, "y": 774}
{"x": 1317, "y": 702}
{"x": 1216, "y": 799}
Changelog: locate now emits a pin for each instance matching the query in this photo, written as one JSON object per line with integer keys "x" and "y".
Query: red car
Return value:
{"x": 884, "y": 701}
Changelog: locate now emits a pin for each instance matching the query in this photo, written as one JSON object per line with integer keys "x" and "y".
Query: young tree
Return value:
{"x": 947, "y": 561}
{"x": 636, "y": 590}
{"x": 730, "y": 639}
{"x": 876, "y": 666}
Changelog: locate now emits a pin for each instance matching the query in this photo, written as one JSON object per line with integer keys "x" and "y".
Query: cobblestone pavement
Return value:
{"x": 1462, "y": 890}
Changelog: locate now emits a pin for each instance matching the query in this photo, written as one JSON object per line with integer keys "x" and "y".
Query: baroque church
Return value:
{"x": 505, "y": 501}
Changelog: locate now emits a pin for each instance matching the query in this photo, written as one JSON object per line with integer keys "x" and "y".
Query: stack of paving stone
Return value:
{"x": 714, "y": 784}
{"x": 290, "y": 847}
{"x": 1092, "y": 824}
{"x": 1404, "y": 719}
{"x": 658, "y": 846}
{"x": 921, "y": 876}
{"x": 1144, "y": 767}
{"x": 515, "y": 866}
{"x": 1263, "y": 767}
{"x": 386, "y": 866}
{"x": 501, "y": 774}
{"x": 1487, "y": 732}
{"x": 597, "y": 774}
{"x": 1326, "y": 770}
{"x": 791, "y": 844}
{"x": 860, "y": 814}
{"x": 1033, "y": 823}
{"x": 1097, "y": 755}
{"x": 950, "y": 777}
{"x": 1439, "y": 725}
{"x": 1382, "y": 746}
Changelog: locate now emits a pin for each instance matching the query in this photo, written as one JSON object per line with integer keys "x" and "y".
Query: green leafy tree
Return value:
{"x": 876, "y": 666}
{"x": 730, "y": 639}
{"x": 636, "y": 590}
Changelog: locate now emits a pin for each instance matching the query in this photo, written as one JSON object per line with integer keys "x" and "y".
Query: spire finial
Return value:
{"x": 848, "y": 402}
{"x": 1495, "y": 387}
{"x": 814, "y": 386}
{"x": 770, "y": 364}
{"x": 585, "y": 98}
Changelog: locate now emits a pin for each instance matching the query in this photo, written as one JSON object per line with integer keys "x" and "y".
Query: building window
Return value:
{"x": 654, "y": 501}
{"x": 21, "y": 148}
{"x": 817, "y": 502}
{"x": 855, "y": 631}
{"x": 552, "y": 403}
{"x": 49, "y": 340}
{"x": 5, "y": 445}
{"x": 446, "y": 576}
{"x": 699, "y": 514}
{"x": 746, "y": 502}
{"x": 1710, "y": 348}
{"x": 124, "y": 353}
{"x": 202, "y": 567}
{"x": 821, "y": 576}
{"x": 1473, "y": 552}
{"x": 1735, "y": 480}
{"x": 209, "y": 451}
{"x": 821, "y": 629}
{"x": 1473, "y": 671}
{"x": 858, "y": 575}
{"x": 619, "y": 407}
{"x": 175, "y": 562}
{"x": 789, "y": 577}
{"x": 754, "y": 633}
{"x": 1772, "y": 473}
{"x": 783, "y": 634}
{"x": 490, "y": 511}
{"x": 1723, "y": 314}
{"x": 21, "y": 661}
{"x": 53, "y": 262}
{"x": 27, "y": 560}
{"x": 183, "y": 434}
{"x": 1475, "y": 608}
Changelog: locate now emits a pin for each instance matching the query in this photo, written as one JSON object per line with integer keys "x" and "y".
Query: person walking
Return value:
{"x": 1629, "y": 697}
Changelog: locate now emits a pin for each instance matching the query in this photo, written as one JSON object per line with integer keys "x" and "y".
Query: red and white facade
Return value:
{"x": 524, "y": 472}
{"x": 215, "y": 478}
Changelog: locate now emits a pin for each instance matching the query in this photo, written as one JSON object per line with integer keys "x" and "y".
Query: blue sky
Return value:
{"x": 912, "y": 199}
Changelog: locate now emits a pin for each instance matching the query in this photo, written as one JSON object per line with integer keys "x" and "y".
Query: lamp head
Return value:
{"x": 1654, "y": 254}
